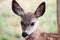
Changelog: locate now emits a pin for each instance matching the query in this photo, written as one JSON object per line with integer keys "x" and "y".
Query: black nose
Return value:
{"x": 24, "y": 34}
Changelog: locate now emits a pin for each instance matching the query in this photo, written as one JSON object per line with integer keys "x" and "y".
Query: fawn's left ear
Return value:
{"x": 40, "y": 10}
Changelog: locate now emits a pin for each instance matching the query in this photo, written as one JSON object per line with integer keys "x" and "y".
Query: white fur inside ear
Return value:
{"x": 31, "y": 29}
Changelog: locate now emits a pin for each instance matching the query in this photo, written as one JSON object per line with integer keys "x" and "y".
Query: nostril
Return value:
{"x": 24, "y": 34}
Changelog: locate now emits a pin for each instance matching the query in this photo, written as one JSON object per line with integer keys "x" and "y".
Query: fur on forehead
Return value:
{"x": 27, "y": 17}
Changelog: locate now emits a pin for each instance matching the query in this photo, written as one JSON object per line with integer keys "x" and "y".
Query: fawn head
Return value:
{"x": 29, "y": 20}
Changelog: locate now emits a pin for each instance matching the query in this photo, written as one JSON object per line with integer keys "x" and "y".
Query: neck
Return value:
{"x": 37, "y": 35}
{"x": 34, "y": 35}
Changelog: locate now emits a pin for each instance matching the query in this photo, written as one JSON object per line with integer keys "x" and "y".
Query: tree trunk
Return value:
{"x": 58, "y": 16}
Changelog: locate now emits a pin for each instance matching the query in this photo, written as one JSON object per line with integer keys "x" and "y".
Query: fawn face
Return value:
{"x": 29, "y": 20}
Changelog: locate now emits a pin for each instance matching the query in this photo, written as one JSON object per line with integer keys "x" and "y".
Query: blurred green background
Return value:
{"x": 10, "y": 28}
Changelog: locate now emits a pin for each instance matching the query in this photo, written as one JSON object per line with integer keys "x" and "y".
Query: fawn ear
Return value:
{"x": 40, "y": 10}
{"x": 17, "y": 8}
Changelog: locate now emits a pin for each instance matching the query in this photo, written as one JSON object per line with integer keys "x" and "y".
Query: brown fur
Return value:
{"x": 37, "y": 35}
{"x": 28, "y": 16}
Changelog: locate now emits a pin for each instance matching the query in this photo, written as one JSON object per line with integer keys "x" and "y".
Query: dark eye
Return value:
{"x": 32, "y": 23}
{"x": 22, "y": 23}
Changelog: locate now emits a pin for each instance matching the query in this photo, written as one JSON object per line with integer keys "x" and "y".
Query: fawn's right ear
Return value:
{"x": 17, "y": 8}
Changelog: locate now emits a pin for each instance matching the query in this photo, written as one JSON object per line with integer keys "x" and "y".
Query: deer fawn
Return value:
{"x": 29, "y": 23}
